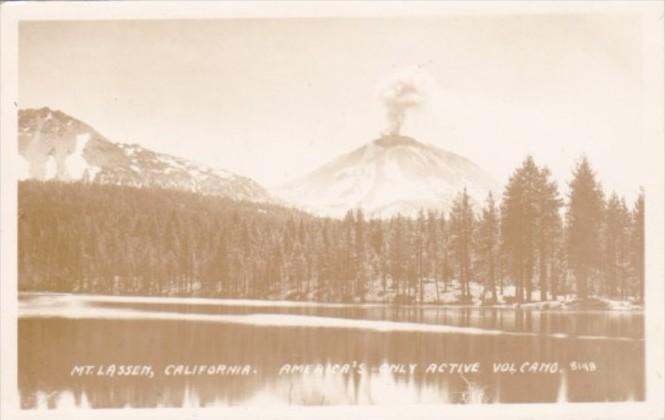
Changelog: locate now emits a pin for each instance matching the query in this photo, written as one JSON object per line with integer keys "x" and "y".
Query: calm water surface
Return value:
{"x": 56, "y": 335}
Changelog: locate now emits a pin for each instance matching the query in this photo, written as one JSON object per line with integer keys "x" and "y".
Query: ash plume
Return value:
{"x": 404, "y": 90}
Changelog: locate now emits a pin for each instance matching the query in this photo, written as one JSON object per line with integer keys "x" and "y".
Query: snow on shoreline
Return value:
{"x": 165, "y": 300}
{"x": 78, "y": 308}
{"x": 74, "y": 298}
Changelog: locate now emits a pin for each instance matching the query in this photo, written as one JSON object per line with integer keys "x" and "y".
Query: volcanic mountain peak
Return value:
{"x": 54, "y": 145}
{"x": 390, "y": 175}
{"x": 397, "y": 140}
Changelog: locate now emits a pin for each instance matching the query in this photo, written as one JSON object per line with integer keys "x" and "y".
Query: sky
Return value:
{"x": 273, "y": 99}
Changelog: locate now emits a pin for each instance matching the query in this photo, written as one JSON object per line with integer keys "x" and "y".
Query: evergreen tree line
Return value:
{"x": 529, "y": 245}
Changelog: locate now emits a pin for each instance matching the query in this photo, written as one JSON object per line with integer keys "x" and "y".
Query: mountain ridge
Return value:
{"x": 55, "y": 145}
{"x": 392, "y": 174}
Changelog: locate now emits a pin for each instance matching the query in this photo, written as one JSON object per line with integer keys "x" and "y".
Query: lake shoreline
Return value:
{"x": 563, "y": 305}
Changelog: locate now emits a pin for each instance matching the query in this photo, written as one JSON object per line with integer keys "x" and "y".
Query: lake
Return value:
{"x": 207, "y": 352}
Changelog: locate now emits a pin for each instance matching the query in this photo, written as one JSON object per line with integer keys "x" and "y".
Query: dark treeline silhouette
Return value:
{"x": 529, "y": 245}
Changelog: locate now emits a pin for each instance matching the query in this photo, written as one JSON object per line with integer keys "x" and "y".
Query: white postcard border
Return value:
{"x": 653, "y": 131}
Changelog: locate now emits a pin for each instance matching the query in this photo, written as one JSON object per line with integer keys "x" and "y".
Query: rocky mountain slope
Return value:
{"x": 54, "y": 145}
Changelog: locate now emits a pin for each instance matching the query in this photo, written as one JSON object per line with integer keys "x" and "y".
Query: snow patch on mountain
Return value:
{"x": 75, "y": 163}
{"x": 22, "y": 168}
{"x": 51, "y": 170}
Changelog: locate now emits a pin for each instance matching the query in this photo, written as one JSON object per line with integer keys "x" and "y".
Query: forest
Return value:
{"x": 528, "y": 244}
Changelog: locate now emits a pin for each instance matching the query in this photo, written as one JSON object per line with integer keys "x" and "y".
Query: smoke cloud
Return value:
{"x": 404, "y": 90}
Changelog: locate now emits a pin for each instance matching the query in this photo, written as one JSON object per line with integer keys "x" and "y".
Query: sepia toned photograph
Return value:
{"x": 325, "y": 210}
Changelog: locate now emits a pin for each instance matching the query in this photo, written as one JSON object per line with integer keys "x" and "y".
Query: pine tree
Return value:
{"x": 378, "y": 247}
{"x": 397, "y": 254}
{"x": 638, "y": 244}
{"x": 445, "y": 263}
{"x": 433, "y": 254}
{"x": 360, "y": 256}
{"x": 547, "y": 221}
{"x": 488, "y": 243}
{"x": 584, "y": 223}
{"x": 420, "y": 254}
{"x": 519, "y": 217}
{"x": 616, "y": 234}
{"x": 461, "y": 229}
{"x": 557, "y": 264}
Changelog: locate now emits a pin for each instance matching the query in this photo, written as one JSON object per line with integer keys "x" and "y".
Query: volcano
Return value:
{"x": 392, "y": 175}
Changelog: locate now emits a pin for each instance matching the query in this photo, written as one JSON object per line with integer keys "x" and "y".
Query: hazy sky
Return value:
{"x": 275, "y": 98}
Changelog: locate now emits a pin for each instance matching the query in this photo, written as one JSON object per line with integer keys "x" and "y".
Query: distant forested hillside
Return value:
{"x": 85, "y": 238}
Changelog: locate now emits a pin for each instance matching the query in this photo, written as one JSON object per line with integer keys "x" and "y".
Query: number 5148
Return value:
{"x": 583, "y": 366}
